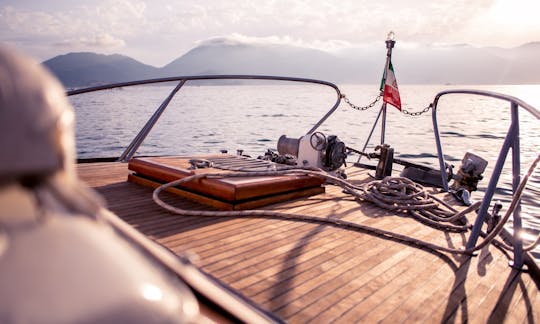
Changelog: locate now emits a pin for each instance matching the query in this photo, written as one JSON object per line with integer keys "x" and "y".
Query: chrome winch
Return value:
{"x": 314, "y": 150}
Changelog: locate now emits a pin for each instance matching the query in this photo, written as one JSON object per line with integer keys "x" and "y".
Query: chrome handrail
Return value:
{"x": 511, "y": 141}
{"x": 141, "y": 136}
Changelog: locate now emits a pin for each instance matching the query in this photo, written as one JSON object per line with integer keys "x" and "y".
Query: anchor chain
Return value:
{"x": 361, "y": 108}
{"x": 404, "y": 111}
{"x": 417, "y": 113}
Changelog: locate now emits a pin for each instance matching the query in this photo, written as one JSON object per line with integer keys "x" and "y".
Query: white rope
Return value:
{"x": 362, "y": 193}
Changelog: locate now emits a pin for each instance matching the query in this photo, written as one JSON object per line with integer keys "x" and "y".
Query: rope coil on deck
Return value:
{"x": 403, "y": 195}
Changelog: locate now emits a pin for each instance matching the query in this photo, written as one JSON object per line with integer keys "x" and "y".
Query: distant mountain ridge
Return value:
{"x": 461, "y": 64}
{"x": 84, "y": 69}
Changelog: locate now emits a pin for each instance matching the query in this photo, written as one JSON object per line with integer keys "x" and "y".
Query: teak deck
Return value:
{"x": 311, "y": 272}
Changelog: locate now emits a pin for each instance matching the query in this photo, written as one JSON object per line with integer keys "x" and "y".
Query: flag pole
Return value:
{"x": 383, "y": 122}
{"x": 389, "y": 45}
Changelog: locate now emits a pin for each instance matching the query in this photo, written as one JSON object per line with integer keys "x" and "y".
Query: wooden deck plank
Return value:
{"x": 303, "y": 258}
{"x": 460, "y": 301}
{"x": 523, "y": 301}
{"x": 304, "y": 273}
{"x": 491, "y": 282}
{"x": 532, "y": 299}
{"x": 265, "y": 226}
{"x": 516, "y": 297}
{"x": 368, "y": 281}
{"x": 284, "y": 248}
{"x": 282, "y": 228}
{"x": 237, "y": 237}
{"x": 420, "y": 296}
{"x": 335, "y": 273}
{"x": 273, "y": 246}
{"x": 376, "y": 291}
{"x": 448, "y": 293}
{"x": 347, "y": 278}
{"x": 307, "y": 271}
{"x": 388, "y": 310}
{"x": 213, "y": 232}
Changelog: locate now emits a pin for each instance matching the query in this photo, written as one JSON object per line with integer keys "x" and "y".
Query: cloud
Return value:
{"x": 103, "y": 26}
{"x": 30, "y": 23}
{"x": 315, "y": 22}
{"x": 139, "y": 26}
{"x": 240, "y": 39}
{"x": 103, "y": 41}
{"x": 110, "y": 16}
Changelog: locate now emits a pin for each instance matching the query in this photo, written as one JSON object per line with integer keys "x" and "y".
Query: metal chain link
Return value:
{"x": 417, "y": 113}
{"x": 405, "y": 112}
{"x": 344, "y": 97}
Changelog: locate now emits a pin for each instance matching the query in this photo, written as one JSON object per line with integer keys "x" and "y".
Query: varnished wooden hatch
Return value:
{"x": 224, "y": 193}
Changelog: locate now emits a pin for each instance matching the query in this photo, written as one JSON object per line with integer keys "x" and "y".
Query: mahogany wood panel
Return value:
{"x": 227, "y": 189}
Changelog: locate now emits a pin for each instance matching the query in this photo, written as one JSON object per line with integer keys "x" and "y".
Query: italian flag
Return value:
{"x": 390, "y": 88}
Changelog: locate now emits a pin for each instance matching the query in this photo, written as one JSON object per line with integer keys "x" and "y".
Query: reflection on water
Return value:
{"x": 205, "y": 119}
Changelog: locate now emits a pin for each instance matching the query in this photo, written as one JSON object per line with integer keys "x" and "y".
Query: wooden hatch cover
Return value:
{"x": 224, "y": 193}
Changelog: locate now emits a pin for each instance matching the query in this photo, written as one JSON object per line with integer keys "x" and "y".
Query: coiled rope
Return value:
{"x": 405, "y": 196}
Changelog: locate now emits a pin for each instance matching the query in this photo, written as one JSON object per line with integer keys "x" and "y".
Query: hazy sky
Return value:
{"x": 158, "y": 31}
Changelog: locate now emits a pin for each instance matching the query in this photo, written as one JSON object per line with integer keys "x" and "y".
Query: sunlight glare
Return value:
{"x": 516, "y": 14}
{"x": 151, "y": 292}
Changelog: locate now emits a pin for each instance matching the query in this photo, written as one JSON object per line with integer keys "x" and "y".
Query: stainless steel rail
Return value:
{"x": 511, "y": 141}
{"x": 141, "y": 136}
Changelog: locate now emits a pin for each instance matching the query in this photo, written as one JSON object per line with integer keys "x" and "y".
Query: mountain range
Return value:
{"x": 457, "y": 64}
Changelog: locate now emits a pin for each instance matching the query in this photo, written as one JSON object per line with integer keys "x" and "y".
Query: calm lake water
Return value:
{"x": 206, "y": 119}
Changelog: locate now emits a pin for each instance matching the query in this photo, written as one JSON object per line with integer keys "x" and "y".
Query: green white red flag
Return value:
{"x": 390, "y": 88}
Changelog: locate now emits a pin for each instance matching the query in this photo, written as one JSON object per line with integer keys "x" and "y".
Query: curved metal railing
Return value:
{"x": 511, "y": 141}
{"x": 143, "y": 133}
